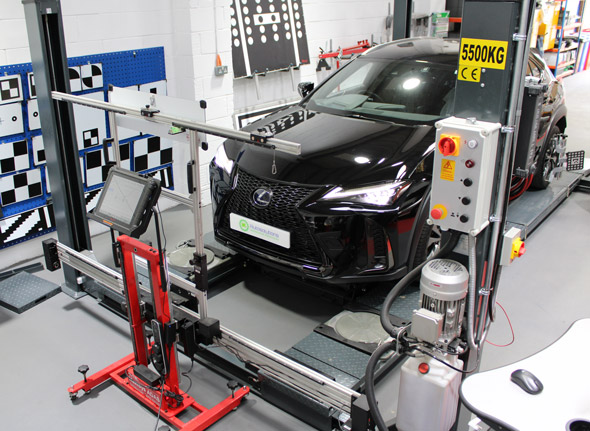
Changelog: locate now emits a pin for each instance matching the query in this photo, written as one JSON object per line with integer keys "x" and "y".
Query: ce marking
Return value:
{"x": 469, "y": 73}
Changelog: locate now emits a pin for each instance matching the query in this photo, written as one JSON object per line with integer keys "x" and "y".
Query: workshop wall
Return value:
{"x": 107, "y": 26}
{"x": 184, "y": 28}
{"x": 210, "y": 36}
{"x": 345, "y": 22}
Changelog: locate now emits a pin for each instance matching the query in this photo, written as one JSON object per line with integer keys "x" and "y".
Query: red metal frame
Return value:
{"x": 359, "y": 48}
{"x": 121, "y": 372}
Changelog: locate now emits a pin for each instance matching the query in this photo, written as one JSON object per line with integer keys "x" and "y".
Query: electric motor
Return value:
{"x": 443, "y": 289}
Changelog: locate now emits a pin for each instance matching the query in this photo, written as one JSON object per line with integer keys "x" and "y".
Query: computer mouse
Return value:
{"x": 527, "y": 381}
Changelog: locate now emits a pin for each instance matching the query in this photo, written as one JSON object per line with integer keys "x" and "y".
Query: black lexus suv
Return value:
{"x": 352, "y": 207}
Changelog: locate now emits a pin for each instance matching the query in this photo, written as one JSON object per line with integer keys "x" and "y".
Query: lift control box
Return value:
{"x": 464, "y": 165}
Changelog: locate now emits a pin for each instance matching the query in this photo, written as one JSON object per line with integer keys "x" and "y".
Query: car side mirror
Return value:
{"x": 304, "y": 88}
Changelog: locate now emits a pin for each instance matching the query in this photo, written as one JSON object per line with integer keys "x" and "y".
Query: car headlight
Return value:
{"x": 381, "y": 194}
{"x": 221, "y": 160}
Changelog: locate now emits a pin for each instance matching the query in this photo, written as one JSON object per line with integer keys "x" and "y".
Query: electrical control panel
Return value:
{"x": 464, "y": 165}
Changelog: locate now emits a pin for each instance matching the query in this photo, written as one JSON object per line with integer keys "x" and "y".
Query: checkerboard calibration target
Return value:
{"x": 10, "y": 89}
{"x": 20, "y": 187}
{"x": 267, "y": 35}
{"x": 14, "y": 156}
{"x": 151, "y": 152}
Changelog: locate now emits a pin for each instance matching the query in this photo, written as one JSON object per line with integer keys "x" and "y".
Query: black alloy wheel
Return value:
{"x": 547, "y": 161}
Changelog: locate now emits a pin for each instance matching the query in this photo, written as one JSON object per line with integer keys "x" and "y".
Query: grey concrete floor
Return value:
{"x": 543, "y": 293}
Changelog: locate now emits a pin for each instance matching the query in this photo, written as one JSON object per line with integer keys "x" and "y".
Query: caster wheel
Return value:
{"x": 73, "y": 397}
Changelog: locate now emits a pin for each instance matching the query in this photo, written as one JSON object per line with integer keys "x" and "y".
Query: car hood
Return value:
{"x": 334, "y": 149}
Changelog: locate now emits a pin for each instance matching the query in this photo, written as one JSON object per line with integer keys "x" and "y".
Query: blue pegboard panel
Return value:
{"x": 122, "y": 69}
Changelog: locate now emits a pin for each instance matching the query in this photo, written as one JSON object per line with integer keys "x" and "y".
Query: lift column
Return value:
{"x": 475, "y": 154}
{"x": 49, "y": 60}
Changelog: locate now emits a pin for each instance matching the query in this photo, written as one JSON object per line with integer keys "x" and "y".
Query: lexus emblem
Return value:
{"x": 261, "y": 198}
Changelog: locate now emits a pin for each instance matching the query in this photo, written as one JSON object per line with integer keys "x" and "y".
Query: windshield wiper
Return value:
{"x": 361, "y": 116}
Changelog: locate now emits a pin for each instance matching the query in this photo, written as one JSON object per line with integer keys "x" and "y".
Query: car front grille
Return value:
{"x": 281, "y": 213}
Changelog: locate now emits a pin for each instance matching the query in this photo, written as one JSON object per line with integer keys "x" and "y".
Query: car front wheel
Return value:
{"x": 547, "y": 161}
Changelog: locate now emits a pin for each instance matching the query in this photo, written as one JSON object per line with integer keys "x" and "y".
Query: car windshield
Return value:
{"x": 410, "y": 90}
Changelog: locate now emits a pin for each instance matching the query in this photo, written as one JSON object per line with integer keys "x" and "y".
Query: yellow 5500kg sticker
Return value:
{"x": 490, "y": 54}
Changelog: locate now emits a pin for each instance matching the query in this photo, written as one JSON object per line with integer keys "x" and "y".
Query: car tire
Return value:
{"x": 547, "y": 161}
{"x": 428, "y": 243}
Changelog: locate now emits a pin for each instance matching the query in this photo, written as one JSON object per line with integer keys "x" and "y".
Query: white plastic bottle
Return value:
{"x": 428, "y": 401}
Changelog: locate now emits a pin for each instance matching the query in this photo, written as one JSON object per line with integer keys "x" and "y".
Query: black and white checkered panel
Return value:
{"x": 32, "y": 87}
{"x": 125, "y": 158}
{"x": 149, "y": 153}
{"x": 33, "y": 114}
{"x": 20, "y": 187}
{"x": 11, "y": 119}
{"x": 75, "y": 79}
{"x": 165, "y": 177}
{"x": 94, "y": 166}
{"x": 14, "y": 156}
{"x": 91, "y": 75}
{"x": 91, "y": 199}
{"x": 96, "y": 169}
{"x": 90, "y": 123}
{"x": 90, "y": 138}
{"x": 11, "y": 89}
{"x": 38, "y": 150}
{"x": 26, "y": 224}
{"x": 158, "y": 87}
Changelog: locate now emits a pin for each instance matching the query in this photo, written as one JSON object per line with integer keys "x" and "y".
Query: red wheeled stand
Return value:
{"x": 166, "y": 399}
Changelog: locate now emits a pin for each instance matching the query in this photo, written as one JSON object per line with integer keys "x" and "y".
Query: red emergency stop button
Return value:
{"x": 449, "y": 145}
{"x": 438, "y": 212}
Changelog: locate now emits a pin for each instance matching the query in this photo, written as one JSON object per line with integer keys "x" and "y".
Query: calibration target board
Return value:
{"x": 267, "y": 35}
{"x": 480, "y": 54}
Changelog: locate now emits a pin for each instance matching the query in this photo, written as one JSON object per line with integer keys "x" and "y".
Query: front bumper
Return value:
{"x": 326, "y": 245}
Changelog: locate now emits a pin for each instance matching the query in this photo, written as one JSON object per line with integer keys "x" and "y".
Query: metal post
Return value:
{"x": 200, "y": 260}
{"x": 516, "y": 96}
{"x": 49, "y": 60}
{"x": 402, "y": 18}
{"x": 114, "y": 136}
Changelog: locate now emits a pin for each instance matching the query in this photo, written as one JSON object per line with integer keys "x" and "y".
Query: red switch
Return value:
{"x": 449, "y": 145}
{"x": 518, "y": 249}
